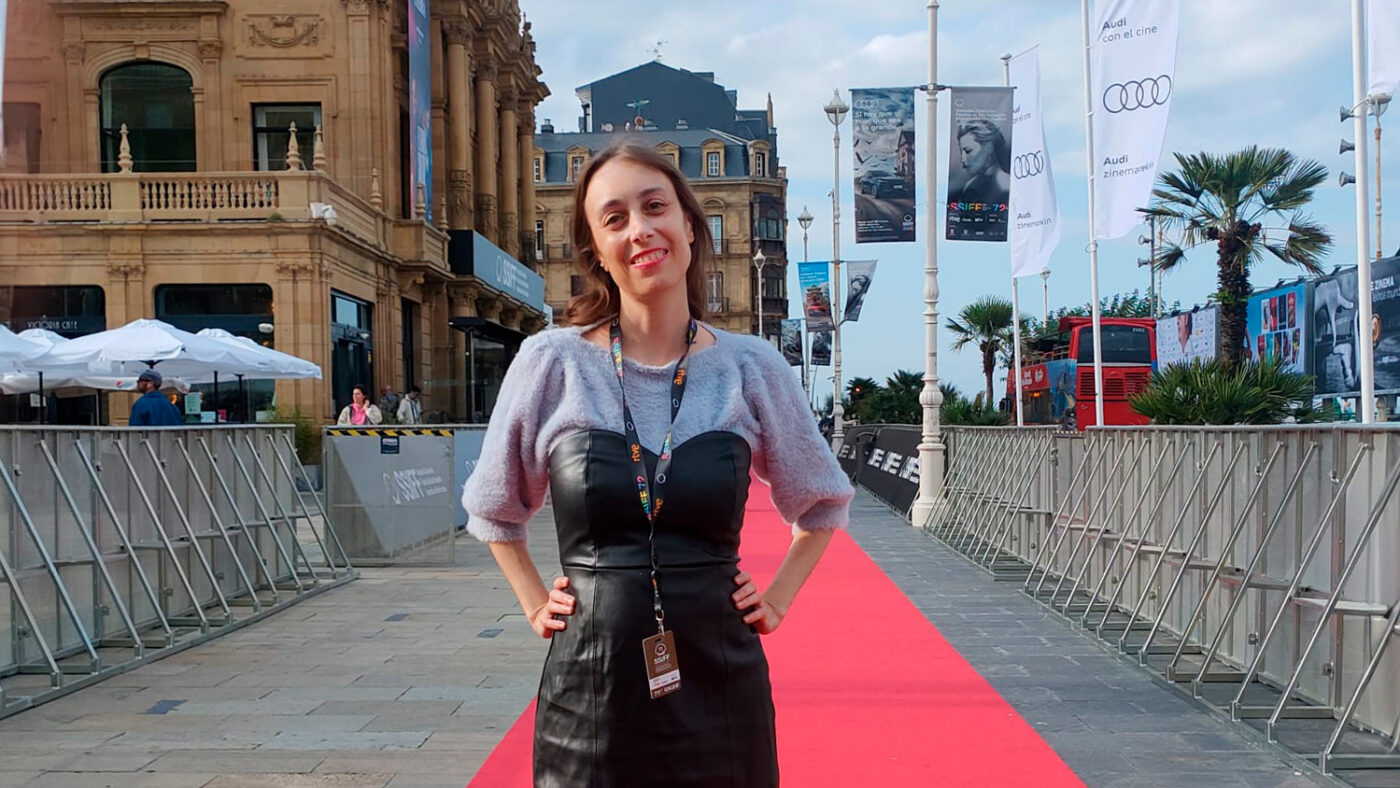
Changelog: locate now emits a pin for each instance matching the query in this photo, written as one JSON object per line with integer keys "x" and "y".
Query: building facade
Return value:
{"x": 245, "y": 165}
{"x": 730, "y": 158}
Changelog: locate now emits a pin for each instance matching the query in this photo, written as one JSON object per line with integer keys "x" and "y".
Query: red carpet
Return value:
{"x": 868, "y": 693}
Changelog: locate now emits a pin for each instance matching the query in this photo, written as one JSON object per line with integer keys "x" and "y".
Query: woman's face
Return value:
{"x": 359, "y": 397}
{"x": 641, "y": 234}
{"x": 976, "y": 156}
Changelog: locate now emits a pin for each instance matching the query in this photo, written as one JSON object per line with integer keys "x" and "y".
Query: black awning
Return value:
{"x": 486, "y": 329}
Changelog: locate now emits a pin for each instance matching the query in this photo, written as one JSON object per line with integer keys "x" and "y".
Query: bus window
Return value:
{"x": 1121, "y": 345}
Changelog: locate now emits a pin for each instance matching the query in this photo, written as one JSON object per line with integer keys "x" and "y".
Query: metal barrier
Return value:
{"x": 124, "y": 545}
{"x": 1255, "y": 567}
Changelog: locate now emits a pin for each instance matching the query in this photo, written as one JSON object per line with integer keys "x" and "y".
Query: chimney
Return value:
{"x": 547, "y": 126}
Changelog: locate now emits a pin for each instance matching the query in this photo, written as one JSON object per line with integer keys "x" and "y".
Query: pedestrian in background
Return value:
{"x": 389, "y": 401}
{"x": 411, "y": 407}
{"x": 360, "y": 411}
{"x": 152, "y": 409}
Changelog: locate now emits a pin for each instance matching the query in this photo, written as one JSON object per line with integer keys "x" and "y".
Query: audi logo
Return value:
{"x": 1137, "y": 94}
{"x": 1028, "y": 165}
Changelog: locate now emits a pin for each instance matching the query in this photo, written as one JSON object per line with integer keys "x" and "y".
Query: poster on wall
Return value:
{"x": 1188, "y": 336}
{"x": 882, "y": 148}
{"x": 979, "y": 164}
{"x": 420, "y": 114}
{"x": 1336, "y": 357}
{"x": 1276, "y": 325}
{"x": 815, "y": 281}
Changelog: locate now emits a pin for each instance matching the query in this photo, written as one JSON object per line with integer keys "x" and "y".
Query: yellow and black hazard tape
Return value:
{"x": 391, "y": 432}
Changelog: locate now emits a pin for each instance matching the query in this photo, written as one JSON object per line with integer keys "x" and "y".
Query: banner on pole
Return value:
{"x": 882, "y": 148}
{"x": 859, "y": 275}
{"x": 1382, "y": 47}
{"x": 1132, "y": 73}
{"x": 792, "y": 341}
{"x": 815, "y": 280}
{"x": 979, "y": 164}
{"x": 420, "y": 116}
{"x": 821, "y": 349}
{"x": 1035, "y": 214}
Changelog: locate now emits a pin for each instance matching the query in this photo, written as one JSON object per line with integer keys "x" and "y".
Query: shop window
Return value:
{"x": 409, "y": 310}
{"x": 156, "y": 103}
{"x": 243, "y": 310}
{"x": 272, "y": 130}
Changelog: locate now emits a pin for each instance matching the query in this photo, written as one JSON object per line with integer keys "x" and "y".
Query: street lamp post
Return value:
{"x": 805, "y": 219}
{"x": 758, "y": 262}
{"x": 836, "y": 110}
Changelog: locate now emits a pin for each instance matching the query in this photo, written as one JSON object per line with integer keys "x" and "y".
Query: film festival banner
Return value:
{"x": 882, "y": 147}
{"x": 1336, "y": 360}
{"x": 1132, "y": 72}
{"x": 1188, "y": 336}
{"x": 792, "y": 341}
{"x": 859, "y": 275}
{"x": 1382, "y": 46}
{"x": 821, "y": 349}
{"x": 1035, "y": 215}
{"x": 979, "y": 164}
{"x": 815, "y": 281}
{"x": 1276, "y": 326}
{"x": 420, "y": 110}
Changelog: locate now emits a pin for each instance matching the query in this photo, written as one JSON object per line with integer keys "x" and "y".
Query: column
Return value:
{"x": 459, "y": 101}
{"x": 510, "y": 175}
{"x": 527, "y": 175}
{"x": 486, "y": 126}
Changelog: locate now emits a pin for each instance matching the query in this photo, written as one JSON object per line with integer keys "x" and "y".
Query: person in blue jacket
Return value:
{"x": 152, "y": 409}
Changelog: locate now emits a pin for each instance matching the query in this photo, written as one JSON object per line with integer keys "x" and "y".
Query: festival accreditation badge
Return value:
{"x": 663, "y": 671}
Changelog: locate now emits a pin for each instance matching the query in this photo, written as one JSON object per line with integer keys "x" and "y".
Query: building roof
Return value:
{"x": 689, "y": 143}
{"x": 673, "y": 96}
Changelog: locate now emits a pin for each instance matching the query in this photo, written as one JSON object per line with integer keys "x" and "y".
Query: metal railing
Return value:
{"x": 124, "y": 545}
{"x": 1254, "y": 567}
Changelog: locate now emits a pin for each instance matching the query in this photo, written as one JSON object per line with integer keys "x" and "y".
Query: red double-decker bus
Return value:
{"x": 1057, "y": 375}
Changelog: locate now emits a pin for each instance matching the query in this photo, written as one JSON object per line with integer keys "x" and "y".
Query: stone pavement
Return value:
{"x": 408, "y": 677}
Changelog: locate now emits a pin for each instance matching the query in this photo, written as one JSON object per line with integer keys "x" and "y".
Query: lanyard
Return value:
{"x": 649, "y": 491}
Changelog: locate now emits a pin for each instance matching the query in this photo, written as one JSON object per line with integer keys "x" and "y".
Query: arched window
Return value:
{"x": 156, "y": 103}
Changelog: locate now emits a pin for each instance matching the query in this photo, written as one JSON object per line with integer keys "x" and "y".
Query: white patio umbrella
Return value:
{"x": 70, "y": 380}
{"x": 281, "y": 366}
{"x": 145, "y": 344}
{"x": 16, "y": 349}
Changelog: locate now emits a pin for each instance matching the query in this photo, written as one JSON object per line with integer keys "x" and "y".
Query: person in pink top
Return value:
{"x": 360, "y": 411}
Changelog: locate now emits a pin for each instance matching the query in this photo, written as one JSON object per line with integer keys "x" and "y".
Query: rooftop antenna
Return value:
{"x": 656, "y": 50}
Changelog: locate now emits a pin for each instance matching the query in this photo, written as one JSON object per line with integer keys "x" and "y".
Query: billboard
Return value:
{"x": 1276, "y": 325}
{"x": 420, "y": 113}
{"x": 1335, "y": 356}
{"x": 882, "y": 148}
{"x": 1187, "y": 336}
{"x": 979, "y": 164}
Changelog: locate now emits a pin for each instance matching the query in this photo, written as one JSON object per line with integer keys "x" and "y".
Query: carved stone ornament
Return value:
{"x": 363, "y": 6}
{"x": 75, "y": 52}
{"x": 210, "y": 50}
{"x": 297, "y": 268}
{"x": 457, "y": 32}
{"x": 141, "y": 24}
{"x": 126, "y": 269}
{"x": 284, "y": 31}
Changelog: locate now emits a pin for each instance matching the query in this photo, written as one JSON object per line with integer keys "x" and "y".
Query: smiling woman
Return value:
{"x": 655, "y": 673}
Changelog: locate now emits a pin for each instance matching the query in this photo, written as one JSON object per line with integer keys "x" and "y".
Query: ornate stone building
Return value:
{"x": 730, "y": 158}
{"x": 245, "y": 165}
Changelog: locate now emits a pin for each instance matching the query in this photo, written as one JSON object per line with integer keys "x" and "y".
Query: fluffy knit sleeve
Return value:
{"x": 810, "y": 490}
{"x": 508, "y": 485}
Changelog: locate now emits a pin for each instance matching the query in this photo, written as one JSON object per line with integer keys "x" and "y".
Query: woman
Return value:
{"x": 650, "y": 553}
{"x": 986, "y": 164}
{"x": 360, "y": 411}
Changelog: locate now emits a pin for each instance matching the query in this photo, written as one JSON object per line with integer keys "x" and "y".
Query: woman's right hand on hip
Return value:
{"x": 552, "y": 616}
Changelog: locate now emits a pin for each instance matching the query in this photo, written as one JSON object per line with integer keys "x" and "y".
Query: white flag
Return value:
{"x": 1035, "y": 216}
{"x": 1383, "y": 46}
{"x": 1133, "y": 68}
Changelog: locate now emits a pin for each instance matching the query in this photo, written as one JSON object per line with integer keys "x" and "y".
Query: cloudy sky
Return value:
{"x": 1267, "y": 72}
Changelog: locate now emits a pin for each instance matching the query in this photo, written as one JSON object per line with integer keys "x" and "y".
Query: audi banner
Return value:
{"x": 815, "y": 280}
{"x": 979, "y": 164}
{"x": 792, "y": 342}
{"x": 1132, "y": 68}
{"x": 859, "y": 275}
{"x": 882, "y": 147}
{"x": 1035, "y": 215}
{"x": 1382, "y": 46}
{"x": 821, "y": 349}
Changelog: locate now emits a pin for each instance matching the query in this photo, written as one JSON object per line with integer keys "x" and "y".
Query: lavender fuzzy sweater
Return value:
{"x": 561, "y": 384}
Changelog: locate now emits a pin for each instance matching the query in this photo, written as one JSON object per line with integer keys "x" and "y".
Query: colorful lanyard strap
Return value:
{"x": 649, "y": 491}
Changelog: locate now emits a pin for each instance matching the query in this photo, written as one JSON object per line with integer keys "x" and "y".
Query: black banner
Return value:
{"x": 979, "y": 164}
{"x": 885, "y": 461}
{"x": 821, "y": 349}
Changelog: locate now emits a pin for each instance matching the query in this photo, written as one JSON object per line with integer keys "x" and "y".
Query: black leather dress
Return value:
{"x": 596, "y": 724}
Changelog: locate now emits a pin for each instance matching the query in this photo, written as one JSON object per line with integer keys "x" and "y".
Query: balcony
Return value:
{"x": 775, "y": 306}
{"x": 157, "y": 197}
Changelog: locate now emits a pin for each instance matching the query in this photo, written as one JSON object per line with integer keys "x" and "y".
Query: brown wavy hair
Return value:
{"x": 600, "y": 299}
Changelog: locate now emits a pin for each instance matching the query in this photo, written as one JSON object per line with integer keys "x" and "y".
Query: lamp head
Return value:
{"x": 1346, "y": 147}
{"x": 1344, "y": 178}
{"x": 836, "y": 109}
{"x": 759, "y": 259}
{"x": 1379, "y": 102}
{"x": 805, "y": 218}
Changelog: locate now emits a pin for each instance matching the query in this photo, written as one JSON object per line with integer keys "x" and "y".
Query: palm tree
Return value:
{"x": 1222, "y": 199}
{"x": 985, "y": 323}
